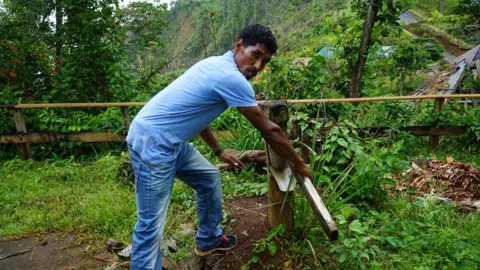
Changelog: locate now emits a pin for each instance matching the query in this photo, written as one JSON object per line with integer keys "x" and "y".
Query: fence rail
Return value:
{"x": 289, "y": 101}
{"x": 24, "y": 138}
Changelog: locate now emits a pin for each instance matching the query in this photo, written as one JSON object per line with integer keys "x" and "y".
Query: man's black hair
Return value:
{"x": 257, "y": 33}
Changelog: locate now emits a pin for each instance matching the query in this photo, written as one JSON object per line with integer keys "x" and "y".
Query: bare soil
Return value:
{"x": 452, "y": 48}
{"x": 251, "y": 224}
{"x": 53, "y": 251}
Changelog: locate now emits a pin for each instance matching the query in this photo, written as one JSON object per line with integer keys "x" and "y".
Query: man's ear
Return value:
{"x": 239, "y": 45}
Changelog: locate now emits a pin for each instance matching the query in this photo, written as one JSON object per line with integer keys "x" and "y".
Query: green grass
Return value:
{"x": 96, "y": 199}
{"x": 66, "y": 196}
{"x": 402, "y": 234}
{"x": 461, "y": 148}
{"x": 92, "y": 198}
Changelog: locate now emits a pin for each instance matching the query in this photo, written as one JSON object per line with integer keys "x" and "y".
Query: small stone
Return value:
{"x": 187, "y": 229}
{"x": 169, "y": 263}
{"x": 193, "y": 262}
{"x": 170, "y": 245}
{"x": 114, "y": 245}
{"x": 119, "y": 266}
{"x": 125, "y": 253}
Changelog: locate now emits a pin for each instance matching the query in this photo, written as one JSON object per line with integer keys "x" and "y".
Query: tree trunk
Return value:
{"x": 58, "y": 27}
{"x": 204, "y": 44}
{"x": 224, "y": 9}
{"x": 364, "y": 46}
{"x": 214, "y": 34}
{"x": 401, "y": 83}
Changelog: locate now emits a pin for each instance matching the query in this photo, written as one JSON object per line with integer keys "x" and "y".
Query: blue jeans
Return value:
{"x": 154, "y": 184}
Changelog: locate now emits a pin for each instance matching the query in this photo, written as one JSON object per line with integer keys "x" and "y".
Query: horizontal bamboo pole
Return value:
{"x": 290, "y": 101}
{"x": 376, "y": 99}
{"x": 75, "y": 105}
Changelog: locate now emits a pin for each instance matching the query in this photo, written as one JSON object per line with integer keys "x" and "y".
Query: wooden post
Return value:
{"x": 125, "y": 117}
{"x": 21, "y": 128}
{"x": 433, "y": 143}
{"x": 277, "y": 112}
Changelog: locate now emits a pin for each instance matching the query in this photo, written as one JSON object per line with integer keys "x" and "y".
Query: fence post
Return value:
{"x": 277, "y": 112}
{"x": 125, "y": 117}
{"x": 438, "y": 106}
{"x": 21, "y": 128}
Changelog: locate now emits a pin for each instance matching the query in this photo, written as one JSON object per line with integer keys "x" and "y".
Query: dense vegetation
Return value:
{"x": 100, "y": 51}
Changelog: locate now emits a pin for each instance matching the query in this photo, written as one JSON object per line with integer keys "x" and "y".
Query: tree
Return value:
{"x": 411, "y": 55}
{"x": 364, "y": 45}
{"x": 145, "y": 23}
{"x": 378, "y": 14}
{"x": 469, "y": 7}
{"x": 76, "y": 57}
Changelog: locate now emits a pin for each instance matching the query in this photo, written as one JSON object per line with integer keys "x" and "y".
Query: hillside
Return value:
{"x": 204, "y": 28}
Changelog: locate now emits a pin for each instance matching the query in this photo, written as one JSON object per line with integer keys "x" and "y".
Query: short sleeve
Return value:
{"x": 236, "y": 91}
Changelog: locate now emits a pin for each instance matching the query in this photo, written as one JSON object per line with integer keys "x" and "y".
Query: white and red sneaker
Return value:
{"x": 228, "y": 242}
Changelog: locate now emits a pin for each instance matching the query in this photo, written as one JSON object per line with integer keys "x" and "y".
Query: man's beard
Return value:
{"x": 251, "y": 73}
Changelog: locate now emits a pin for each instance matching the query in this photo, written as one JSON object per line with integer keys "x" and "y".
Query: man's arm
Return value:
{"x": 275, "y": 137}
{"x": 209, "y": 138}
{"x": 225, "y": 156}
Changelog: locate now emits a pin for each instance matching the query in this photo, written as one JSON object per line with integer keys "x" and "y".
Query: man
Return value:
{"x": 159, "y": 150}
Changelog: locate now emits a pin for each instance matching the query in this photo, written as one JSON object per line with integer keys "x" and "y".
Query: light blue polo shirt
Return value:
{"x": 187, "y": 106}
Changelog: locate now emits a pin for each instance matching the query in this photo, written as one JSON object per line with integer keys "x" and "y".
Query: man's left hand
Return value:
{"x": 230, "y": 157}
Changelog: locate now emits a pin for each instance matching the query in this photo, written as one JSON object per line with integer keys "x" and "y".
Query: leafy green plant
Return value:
{"x": 354, "y": 249}
{"x": 243, "y": 135}
{"x": 266, "y": 244}
{"x": 347, "y": 169}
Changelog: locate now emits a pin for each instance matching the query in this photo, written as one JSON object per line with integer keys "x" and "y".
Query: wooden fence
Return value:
{"x": 26, "y": 138}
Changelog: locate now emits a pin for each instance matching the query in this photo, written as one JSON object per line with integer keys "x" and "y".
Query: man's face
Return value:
{"x": 252, "y": 59}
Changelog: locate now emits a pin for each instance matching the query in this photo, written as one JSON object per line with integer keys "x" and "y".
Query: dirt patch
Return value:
{"x": 251, "y": 224}
{"x": 53, "y": 251}
{"x": 447, "y": 45}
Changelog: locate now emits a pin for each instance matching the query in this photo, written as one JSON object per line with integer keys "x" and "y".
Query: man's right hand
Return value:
{"x": 303, "y": 169}
{"x": 275, "y": 138}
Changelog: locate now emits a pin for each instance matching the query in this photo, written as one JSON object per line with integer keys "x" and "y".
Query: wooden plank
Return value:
{"x": 47, "y": 137}
{"x": 319, "y": 209}
{"x": 21, "y": 128}
{"x": 223, "y": 135}
{"x": 416, "y": 130}
{"x": 125, "y": 117}
{"x": 277, "y": 112}
{"x": 434, "y": 139}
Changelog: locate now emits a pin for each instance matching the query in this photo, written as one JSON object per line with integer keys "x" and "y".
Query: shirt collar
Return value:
{"x": 229, "y": 55}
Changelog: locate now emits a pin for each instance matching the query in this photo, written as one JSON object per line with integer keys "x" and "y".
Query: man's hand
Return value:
{"x": 275, "y": 138}
{"x": 230, "y": 157}
{"x": 303, "y": 169}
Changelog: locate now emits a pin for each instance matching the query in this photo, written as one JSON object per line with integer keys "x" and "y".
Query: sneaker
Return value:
{"x": 228, "y": 242}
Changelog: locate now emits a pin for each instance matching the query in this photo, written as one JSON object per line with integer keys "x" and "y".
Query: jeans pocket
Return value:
{"x": 136, "y": 172}
{"x": 162, "y": 176}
